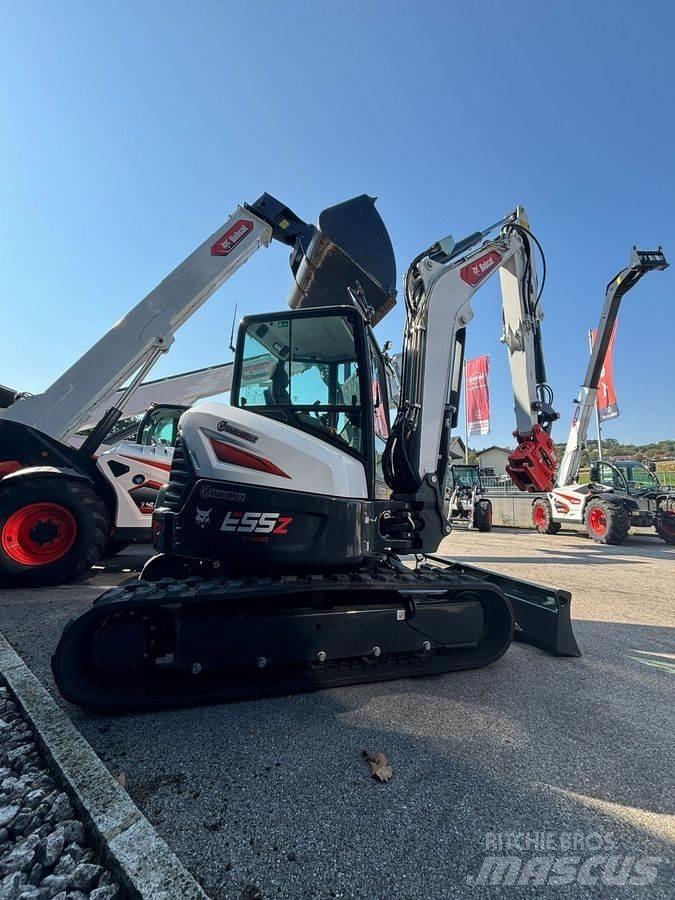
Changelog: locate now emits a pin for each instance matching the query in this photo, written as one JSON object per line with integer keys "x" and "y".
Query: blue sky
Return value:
{"x": 131, "y": 131}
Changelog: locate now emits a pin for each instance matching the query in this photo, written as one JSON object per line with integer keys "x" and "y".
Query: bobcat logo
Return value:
{"x": 203, "y": 517}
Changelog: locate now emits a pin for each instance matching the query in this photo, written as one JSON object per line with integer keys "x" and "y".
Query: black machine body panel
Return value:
{"x": 243, "y": 523}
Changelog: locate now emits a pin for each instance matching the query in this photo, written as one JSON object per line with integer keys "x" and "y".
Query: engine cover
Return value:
{"x": 238, "y": 522}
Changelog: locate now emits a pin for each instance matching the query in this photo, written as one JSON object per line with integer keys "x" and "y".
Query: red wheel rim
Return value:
{"x": 540, "y": 516}
{"x": 597, "y": 520}
{"x": 38, "y": 534}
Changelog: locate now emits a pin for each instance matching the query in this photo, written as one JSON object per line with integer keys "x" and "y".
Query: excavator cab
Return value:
{"x": 319, "y": 370}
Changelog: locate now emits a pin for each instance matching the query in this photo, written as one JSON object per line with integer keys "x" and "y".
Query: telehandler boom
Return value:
{"x": 59, "y": 504}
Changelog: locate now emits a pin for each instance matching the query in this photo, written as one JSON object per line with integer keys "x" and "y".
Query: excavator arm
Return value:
{"x": 439, "y": 287}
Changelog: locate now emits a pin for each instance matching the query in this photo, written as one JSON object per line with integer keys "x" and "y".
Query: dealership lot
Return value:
{"x": 272, "y": 797}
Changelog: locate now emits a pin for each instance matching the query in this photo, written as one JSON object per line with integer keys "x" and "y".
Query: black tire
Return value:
{"x": 665, "y": 528}
{"x": 52, "y": 529}
{"x": 113, "y": 547}
{"x": 606, "y": 523}
{"x": 542, "y": 517}
{"x": 482, "y": 515}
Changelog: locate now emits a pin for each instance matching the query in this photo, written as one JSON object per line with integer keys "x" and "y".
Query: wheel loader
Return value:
{"x": 466, "y": 502}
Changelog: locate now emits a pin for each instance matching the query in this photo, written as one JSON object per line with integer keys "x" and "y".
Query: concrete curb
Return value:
{"x": 137, "y": 856}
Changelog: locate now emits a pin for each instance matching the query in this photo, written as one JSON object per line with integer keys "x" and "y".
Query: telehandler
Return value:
{"x": 614, "y": 499}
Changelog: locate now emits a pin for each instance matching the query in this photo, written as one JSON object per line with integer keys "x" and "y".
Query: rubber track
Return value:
{"x": 72, "y": 665}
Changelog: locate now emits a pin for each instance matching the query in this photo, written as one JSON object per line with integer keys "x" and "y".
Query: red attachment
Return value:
{"x": 597, "y": 520}
{"x": 533, "y": 463}
{"x": 38, "y": 534}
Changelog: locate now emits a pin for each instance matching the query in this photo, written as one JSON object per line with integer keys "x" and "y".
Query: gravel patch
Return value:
{"x": 44, "y": 851}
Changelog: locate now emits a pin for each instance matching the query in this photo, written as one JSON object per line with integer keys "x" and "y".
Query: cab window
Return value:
{"x": 640, "y": 478}
{"x": 306, "y": 369}
{"x": 610, "y": 477}
{"x": 160, "y": 427}
{"x": 465, "y": 476}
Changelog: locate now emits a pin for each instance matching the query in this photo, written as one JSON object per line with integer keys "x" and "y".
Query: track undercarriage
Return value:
{"x": 203, "y": 640}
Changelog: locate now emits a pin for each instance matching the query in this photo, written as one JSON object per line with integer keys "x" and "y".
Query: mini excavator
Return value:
{"x": 298, "y": 530}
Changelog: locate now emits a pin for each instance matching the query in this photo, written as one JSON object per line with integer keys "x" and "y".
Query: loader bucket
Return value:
{"x": 349, "y": 247}
{"x": 542, "y": 614}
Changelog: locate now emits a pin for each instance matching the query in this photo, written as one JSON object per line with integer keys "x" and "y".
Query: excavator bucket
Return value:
{"x": 542, "y": 614}
{"x": 349, "y": 248}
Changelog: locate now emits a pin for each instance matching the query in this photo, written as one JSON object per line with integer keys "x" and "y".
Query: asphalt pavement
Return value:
{"x": 534, "y": 758}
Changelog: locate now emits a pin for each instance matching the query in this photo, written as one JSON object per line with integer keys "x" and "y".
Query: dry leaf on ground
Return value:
{"x": 379, "y": 764}
{"x": 121, "y": 779}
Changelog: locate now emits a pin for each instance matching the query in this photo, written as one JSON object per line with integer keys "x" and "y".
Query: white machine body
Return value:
{"x": 136, "y": 489}
{"x": 285, "y": 458}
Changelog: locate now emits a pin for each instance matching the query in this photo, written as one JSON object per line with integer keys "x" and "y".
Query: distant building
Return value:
{"x": 456, "y": 450}
{"x": 493, "y": 460}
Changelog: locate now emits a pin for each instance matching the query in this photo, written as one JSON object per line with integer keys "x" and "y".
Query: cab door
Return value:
{"x": 611, "y": 477}
{"x": 378, "y": 385}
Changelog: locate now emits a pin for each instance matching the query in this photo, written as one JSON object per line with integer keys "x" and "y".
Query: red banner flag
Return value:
{"x": 478, "y": 395}
{"x": 608, "y": 408}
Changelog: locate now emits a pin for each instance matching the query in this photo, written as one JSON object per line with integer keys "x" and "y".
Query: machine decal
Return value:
{"x": 223, "y": 425}
{"x": 145, "y": 495}
{"x": 138, "y": 479}
{"x": 256, "y": 523}
{"x": 476, "y": 271}
{"x": 232, "y": 237}
{"x": 166, "y": 467}
{"x": 229, "y": 454}
{"x": 569, "y": 497}
{"x": 208, "y": 492}
{"x": 203, "y": 517}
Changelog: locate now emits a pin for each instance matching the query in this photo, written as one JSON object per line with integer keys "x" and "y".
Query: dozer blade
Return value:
{"x": 349, "y": 248}
{"x": 542, "y": 614}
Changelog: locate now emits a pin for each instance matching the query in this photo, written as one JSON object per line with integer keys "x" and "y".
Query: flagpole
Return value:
{"x": 597, "y": 411}
{"x": 466, "y": 418}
